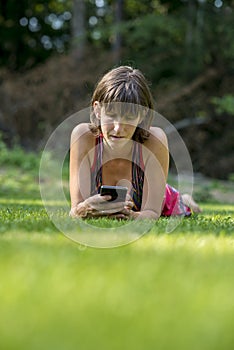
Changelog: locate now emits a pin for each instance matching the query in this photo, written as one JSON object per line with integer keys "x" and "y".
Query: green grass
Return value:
{"x": 164, "y": 291}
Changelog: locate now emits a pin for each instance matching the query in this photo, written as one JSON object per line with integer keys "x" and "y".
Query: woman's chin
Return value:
{"x": 117, "y": 142}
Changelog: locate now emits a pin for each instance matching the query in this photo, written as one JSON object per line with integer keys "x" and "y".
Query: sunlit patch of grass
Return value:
{"x": 196, "y": 243}
{"x": 30, "y": 215}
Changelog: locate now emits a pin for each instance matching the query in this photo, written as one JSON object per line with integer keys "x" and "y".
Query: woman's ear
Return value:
{"x": 97, "y": 109}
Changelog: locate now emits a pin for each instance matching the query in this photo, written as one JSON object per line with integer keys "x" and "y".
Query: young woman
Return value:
{"x": 119, "y": 147}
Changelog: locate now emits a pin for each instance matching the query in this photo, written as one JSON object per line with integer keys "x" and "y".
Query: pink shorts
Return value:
{"x": 173, "y": 203}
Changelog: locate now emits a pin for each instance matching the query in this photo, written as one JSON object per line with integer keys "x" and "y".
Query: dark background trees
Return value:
{"x": 52, "y": 53}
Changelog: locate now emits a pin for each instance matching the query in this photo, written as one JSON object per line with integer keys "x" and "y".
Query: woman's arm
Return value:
{"x": 81, "y": 155}
{"x": 81, "y": 142}
{"x": 156, "y": 157}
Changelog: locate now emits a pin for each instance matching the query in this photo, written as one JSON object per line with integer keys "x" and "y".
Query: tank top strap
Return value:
{"x": 138, "y": 168}
{"x": 96, "y": 168}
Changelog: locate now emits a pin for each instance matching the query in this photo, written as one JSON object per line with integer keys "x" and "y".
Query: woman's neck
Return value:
{"x": 110, "y": 153}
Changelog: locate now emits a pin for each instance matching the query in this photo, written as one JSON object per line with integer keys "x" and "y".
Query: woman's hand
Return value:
{"x": 99, "y": 206}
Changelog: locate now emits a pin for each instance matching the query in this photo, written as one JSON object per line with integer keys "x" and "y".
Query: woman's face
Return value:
{"x": 118, "y": 129}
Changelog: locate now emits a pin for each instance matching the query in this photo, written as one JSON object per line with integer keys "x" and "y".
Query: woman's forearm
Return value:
{"x": 83, "y": 210}
{"x": 147, "y": 214}
{"x": 144, "y": 214}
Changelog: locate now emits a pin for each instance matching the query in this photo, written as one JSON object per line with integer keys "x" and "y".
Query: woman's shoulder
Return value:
{"x": 158, "y": 146}
{"x": 157, "y": 138}
{"x": 82, "y": 131}
{"x": 82, "y": 134}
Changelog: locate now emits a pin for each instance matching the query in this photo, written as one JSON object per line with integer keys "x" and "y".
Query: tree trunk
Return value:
{"x": 189, "y": 39}
{"x": 78, "y": 29}
{"x": 117, "y": 42}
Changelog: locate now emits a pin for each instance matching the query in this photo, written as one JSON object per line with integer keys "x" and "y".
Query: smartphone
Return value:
{"x": 117, "y": 193}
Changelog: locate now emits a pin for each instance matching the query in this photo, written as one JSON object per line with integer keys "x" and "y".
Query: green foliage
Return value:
{"x": 19, "y": 173}
{"x": 224, "y": 104}
{"x": 32, "y": 30}
{"x": 169, "y": 38}
{"x": 161, "y": 47}
{"x": 16, "y": 156}
{"x": 183, "y": 41}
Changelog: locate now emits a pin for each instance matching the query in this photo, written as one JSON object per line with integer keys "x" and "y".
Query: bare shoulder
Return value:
{"x": 81, "y": 130}
{"x": 157, "y": 139}
{"x": 82, "y": 134}
{"x": 158, "y": 146}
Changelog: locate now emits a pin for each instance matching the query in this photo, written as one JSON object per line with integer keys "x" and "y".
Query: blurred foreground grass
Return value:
{"x": 164, "y": 291}
{"x": 167, "y": 291}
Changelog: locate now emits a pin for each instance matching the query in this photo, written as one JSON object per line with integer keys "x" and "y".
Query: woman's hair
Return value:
{"x": 127, "y": 88}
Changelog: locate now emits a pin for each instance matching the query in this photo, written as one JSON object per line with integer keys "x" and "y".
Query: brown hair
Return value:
{"x": 124, "y": 84}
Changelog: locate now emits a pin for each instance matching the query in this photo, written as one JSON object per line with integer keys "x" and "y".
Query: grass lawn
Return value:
{"x": 164, "y": 291}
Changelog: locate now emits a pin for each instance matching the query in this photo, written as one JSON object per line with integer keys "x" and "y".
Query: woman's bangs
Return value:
{"x": 124, "y": 109}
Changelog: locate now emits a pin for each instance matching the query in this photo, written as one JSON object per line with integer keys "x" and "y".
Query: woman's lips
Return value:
{"x": 115, "y": 137}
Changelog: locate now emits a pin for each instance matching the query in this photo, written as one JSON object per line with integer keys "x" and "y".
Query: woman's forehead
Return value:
{"x": 123, "y": 108}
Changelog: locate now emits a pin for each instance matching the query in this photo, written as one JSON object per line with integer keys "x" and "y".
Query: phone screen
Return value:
{"x": 118, "y": 193}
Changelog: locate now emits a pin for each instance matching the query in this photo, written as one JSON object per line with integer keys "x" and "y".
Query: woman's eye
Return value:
{"x": 131, "y": 117}
{"x": 111, "y": 116}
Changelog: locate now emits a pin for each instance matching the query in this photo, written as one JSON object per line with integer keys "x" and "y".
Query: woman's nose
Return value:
{"x": 117, "y": 125}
